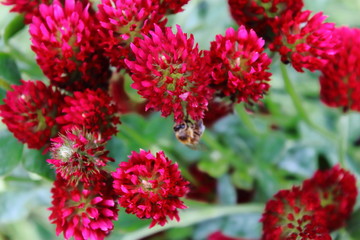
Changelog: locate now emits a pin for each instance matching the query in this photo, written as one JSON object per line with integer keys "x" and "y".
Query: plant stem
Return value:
{"x": 300, "y": 108}
{"x": 246, "y": 120}
{"x": 343, "y": 133}
{"x": 196, "y": 216}
{"x": 4, "y": 85}
{"x": 127, "y": 130}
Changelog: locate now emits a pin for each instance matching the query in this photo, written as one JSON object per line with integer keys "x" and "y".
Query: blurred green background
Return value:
{"x": 252, "y": 155}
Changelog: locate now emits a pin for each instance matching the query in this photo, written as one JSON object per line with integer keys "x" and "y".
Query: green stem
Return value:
{"x": 343, "y": 133}
{"x": 127, "y": 130}
{"x": 300, "y": 108}
{"x": 211, "y": 142}
{"x": 4, "y": 85}
{"x": 246, "y": 120}
{"x": 196, "y": 216}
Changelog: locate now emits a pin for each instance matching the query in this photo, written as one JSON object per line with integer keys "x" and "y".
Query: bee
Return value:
{"x": 189, "y": 133}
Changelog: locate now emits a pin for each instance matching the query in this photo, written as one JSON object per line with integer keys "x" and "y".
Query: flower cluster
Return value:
{"x": 340, "y": 77}
{"x": 259, "y": 15}
{"x": 90, "y": 110}
{"x": 170, "y": 73}
{"x": 123, "y": 21}
{"x": 320, "y": 205}
{"x": 84, "y": 211}
{"x": 239, "y": 65}
{"x": 64, "y": 39}
{"x": 79, "y": 156}
{"x": 300, "y": 37}
{"x": 30, "y": 112}
{"x": 305, "y": 41}
{"x": 337, "y": 192}
{"x": 150, "y": 187}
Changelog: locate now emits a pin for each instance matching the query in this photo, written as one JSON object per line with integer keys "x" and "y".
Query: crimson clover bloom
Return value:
{"x": 259, "y": 15}
{"x": 92, "y": 110}
{"x": 337, "y": 191}
{"x": 304, "y": 41}
{"x": 84, "y": 211}
{"x": 170, "y": 73}
{"x": 79, "y": 155}
{"x": 150, "y": 187}
{"x": 239, "y": 65}
{"x": 294, "y": 214}
{"x": 29, "y": 112}
{"x": 122, "y": 21}
{"x": 64, "y": 39}
{"x": 340, "y": 77}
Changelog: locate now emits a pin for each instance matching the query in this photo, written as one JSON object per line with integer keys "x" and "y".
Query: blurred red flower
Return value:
{"x": 340, "y": 77}
{"x": 304, "y": 41}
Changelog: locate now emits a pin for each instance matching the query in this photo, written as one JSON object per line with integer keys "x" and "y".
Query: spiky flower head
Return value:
{"x": 29, "y": 112}
{"x": 91, "y": 110}
{"x": 84, "y": 211}
{"x": 239, "y": 65}
{"x": 64, "y": 39}
{"x": 79, "y": 156}
{"x": 170, "y": 73}
{"x": 121, "y": 22}
{"x": 150, "y": 186}
{"x": 259, "y": 14}
{"x": 294, "y": 214}
{"x": 304, "y": 40}
{"x": 337, "y": 191}
{"x": 340, "y": 77}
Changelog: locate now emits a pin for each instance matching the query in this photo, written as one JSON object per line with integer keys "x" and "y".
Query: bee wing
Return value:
{"x": 198, "y": 147}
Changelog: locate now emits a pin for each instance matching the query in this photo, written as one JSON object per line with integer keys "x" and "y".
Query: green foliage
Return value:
{"x": 16, "y": 25}
{"x": 10, "y": 152}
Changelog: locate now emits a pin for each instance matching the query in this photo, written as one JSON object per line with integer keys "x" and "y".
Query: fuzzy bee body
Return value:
{"x": 189, "y": 133}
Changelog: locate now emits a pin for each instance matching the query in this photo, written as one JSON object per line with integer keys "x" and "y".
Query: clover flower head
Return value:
{"x": 122, "y": 21}
{"x": 340, "y": 77}
{"x": 239, "y": 65}
{"x": 92, "y": 110}
{"x": 259, "y": 14}
{"x": 84, "y": 211}
{"x": 79, "y": 156}
{"x": 170, "y": 72}
{"x": 64, "y": 39}
{"x": 150, "y": 187}
{"x": 294, "y": 214}
{"x": 29, "y": 112}
{"x": 304, "y": 40}
{"x": 337, "y": 191}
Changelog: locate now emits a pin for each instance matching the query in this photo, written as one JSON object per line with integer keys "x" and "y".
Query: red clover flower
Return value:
{"x": 29, "y": 112}
{"x": 170, "y": 73}
{"x": 150, "y": 187}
